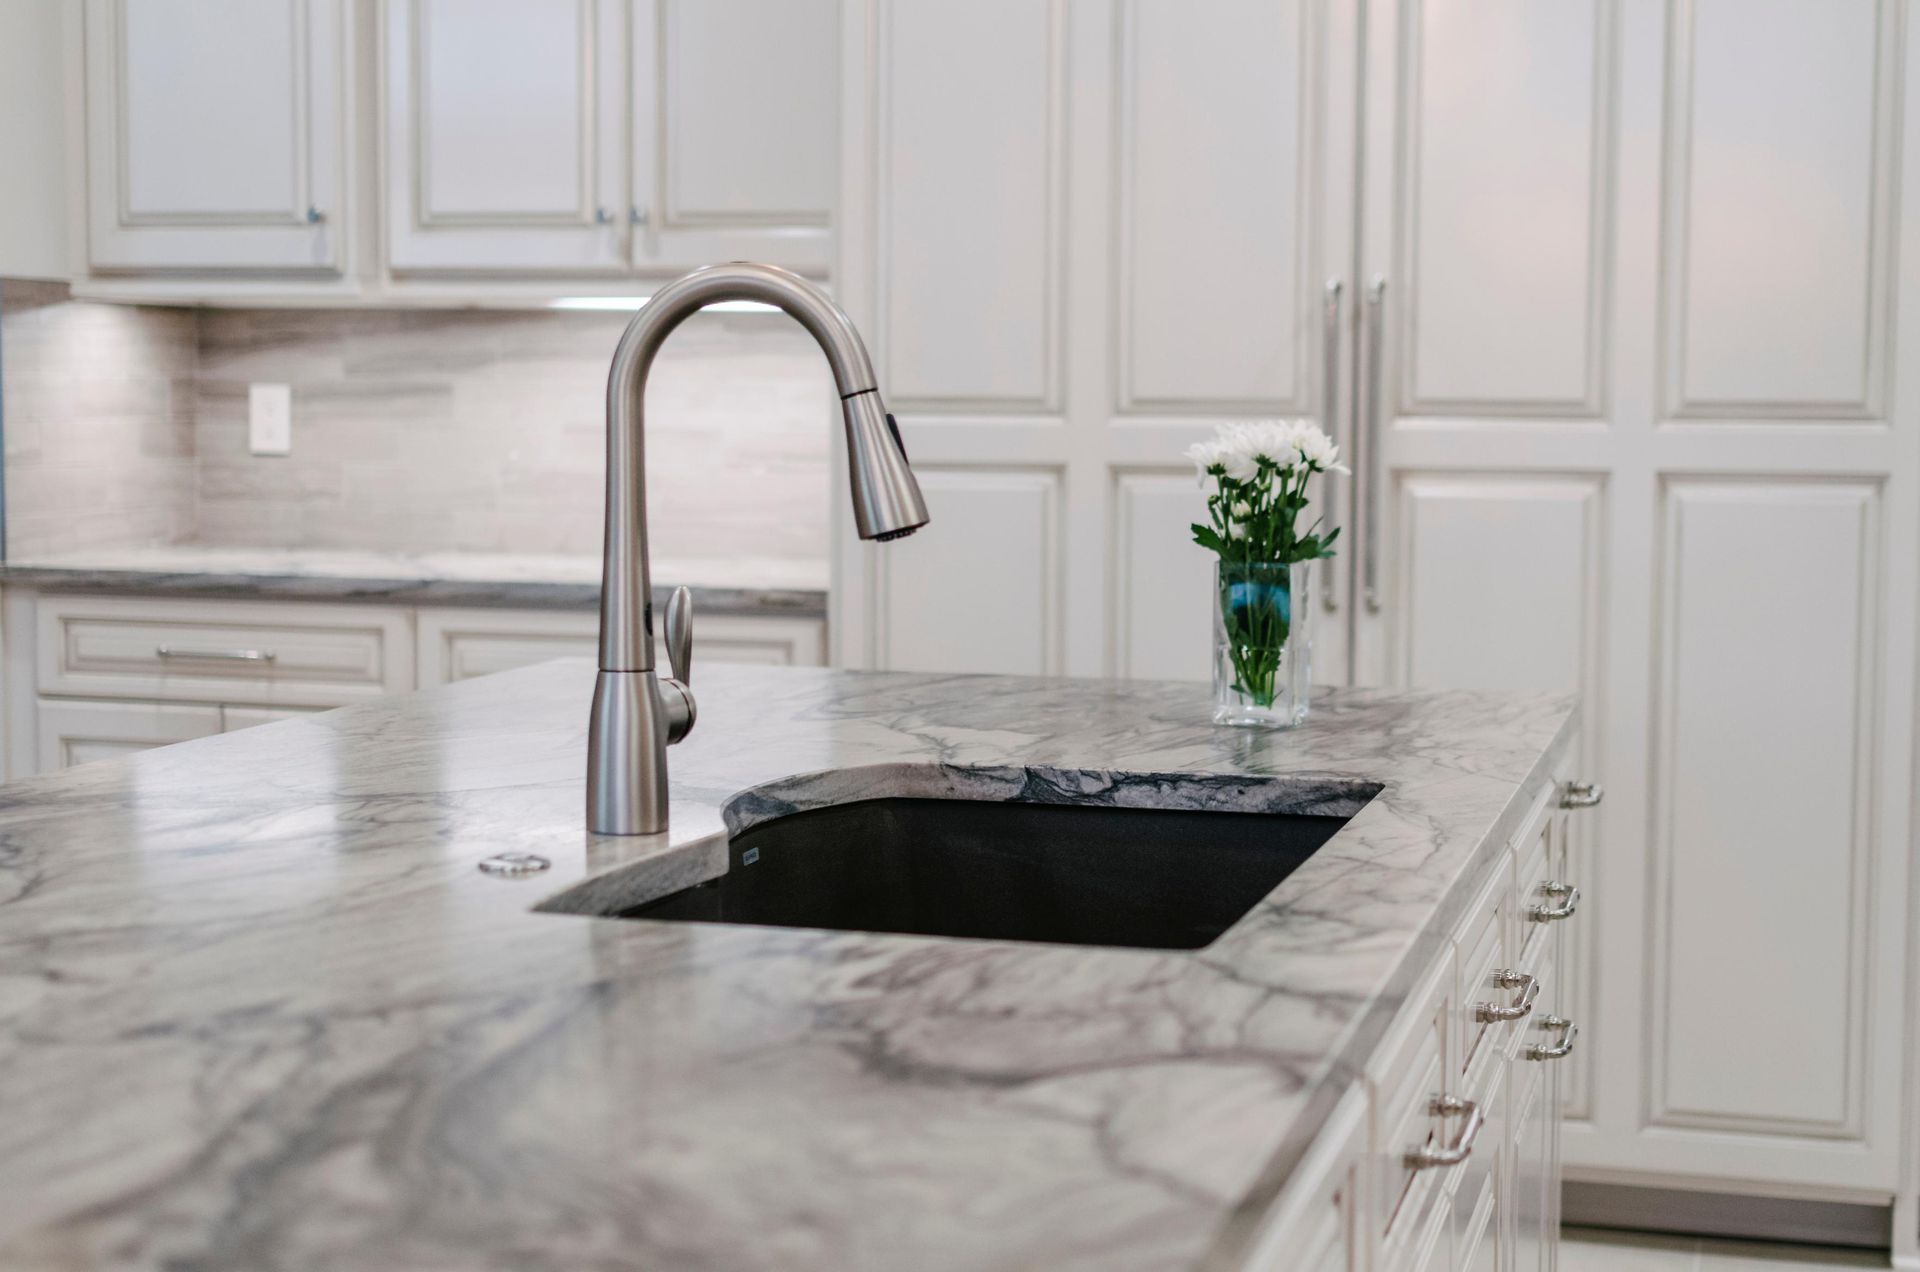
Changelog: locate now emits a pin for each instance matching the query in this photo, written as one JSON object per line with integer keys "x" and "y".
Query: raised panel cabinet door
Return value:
{"x": 976, "y": 590}
{"x": 217, "y": 137}
{"x": 1080, "y": 236}
{"x": 506, "y": 136}
{"x": 735, "y": 129}
{"x": 1476, "y": 547}
{"x": 80, "y": 732}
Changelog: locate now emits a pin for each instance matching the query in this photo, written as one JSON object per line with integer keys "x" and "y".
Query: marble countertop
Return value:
{"x": 720, "y": 585}
{"x": 258, "y": 1009}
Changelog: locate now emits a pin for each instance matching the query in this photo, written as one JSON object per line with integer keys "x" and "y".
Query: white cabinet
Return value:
{"x": 93, "y": 676}
{"x": 265, "y": 653}
{"x": 605, "y": 137}
{"x": 1321, "y": 1227}
{"x": 458, "y": 644}
{"x": 1625, "y": 422}
{"x": 505, "y": 133}
{"x": 77, "y": 731}
{"x": 538, "y": 143}
{"x": 80, "y": 732}
{"x": 216, "y": 134}
{"x": 1446, "y": 1153}
{"x": 736, "y": 132}
{"x": 1073, "y": 246}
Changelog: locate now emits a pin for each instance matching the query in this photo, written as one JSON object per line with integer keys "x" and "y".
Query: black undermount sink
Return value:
{"x": 1074, "y": 874}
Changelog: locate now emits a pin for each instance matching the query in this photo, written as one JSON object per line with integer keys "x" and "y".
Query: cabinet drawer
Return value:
{"x": 1483, "y": 954}
{"x": 252, "y": 653}
{"x": 1479, "y": 1210}
{"x": 1409, "y": 1074}
{"x": 459, "y": 644}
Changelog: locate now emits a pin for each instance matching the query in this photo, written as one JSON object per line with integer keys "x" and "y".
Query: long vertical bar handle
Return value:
{"x": 1330, "y": 316}
{"x": 1370, "y": 457}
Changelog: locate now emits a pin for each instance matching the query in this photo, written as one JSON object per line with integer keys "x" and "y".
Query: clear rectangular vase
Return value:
{"x": 1262, "y": 643}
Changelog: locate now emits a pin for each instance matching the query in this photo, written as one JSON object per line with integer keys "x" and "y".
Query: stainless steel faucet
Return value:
{"x": 636, "y": 715}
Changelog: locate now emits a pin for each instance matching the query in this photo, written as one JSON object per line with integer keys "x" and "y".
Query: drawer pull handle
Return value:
{"x": 1426, "y": 1158}
{"x": 1582, "y": 795}
{"x": 1554, "y": 913}
{"x": 1488, "y": 1013}
{"x": 216, "y": 655}
{"x": 1567, "y": 1030}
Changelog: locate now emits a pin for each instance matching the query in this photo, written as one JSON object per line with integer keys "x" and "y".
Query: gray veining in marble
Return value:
{"x": 259, "y": 1010}
{"x": 740, "y": 585}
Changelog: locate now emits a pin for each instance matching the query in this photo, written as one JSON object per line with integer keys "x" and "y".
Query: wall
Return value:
{"x": 484, "y": 431}
{"x": 97, "y": 403}
{"x": 415, "y": 431}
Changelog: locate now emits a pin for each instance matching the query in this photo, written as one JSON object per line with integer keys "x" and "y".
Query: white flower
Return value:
{"x": 1318, "y": 450}
{"x": 1236, "y": 531}
{"x": 1208, "y": 457}
{"x": 1242, "y": 510}
{"x": 1237, "y": 457}
{"x": 1266, "y": 443}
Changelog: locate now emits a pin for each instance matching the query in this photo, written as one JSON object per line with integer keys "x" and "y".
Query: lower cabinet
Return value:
{"x": 1445, "y": 1156}
{"x": 459, "y": 644}
{"x": 78, "y": 732}
{"x": 91, "y": 677}
{"x": 1322, "y": 1228}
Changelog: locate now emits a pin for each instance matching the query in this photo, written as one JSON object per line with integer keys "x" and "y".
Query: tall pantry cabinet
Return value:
{"x": 1600, "y": 298}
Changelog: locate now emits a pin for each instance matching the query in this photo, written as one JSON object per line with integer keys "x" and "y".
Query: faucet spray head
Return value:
{"x": 887, "y": 503}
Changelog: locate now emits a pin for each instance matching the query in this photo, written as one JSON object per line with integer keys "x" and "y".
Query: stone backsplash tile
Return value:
{"x": 414, "y": 430}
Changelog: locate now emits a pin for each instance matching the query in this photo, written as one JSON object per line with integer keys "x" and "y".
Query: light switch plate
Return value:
{"x": 270, "y": 419}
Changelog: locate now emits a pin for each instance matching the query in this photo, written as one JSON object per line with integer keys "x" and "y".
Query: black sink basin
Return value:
{"x": 1071, "y": 874}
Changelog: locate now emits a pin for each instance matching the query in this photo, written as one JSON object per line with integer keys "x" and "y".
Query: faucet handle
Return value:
{"x": 680, "y": 635}
{"x": 676, "y": 695}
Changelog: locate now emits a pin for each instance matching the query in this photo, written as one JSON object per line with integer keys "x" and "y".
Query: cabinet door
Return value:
{"x": 216, "y": 134}
{"x": 505, "y": 136}
{"x": 80, "y": 732}
{"x": 1078, "y": 237}
{"x": 736, "y": 132}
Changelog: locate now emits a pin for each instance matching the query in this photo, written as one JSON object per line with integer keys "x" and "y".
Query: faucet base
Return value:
{"x": 627, "y": 756}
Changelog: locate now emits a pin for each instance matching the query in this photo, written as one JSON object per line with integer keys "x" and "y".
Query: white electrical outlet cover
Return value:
{"x": 270, "y": 419}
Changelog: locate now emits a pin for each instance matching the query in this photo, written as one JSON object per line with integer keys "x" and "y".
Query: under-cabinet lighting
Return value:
{"x": 630, "y": 303}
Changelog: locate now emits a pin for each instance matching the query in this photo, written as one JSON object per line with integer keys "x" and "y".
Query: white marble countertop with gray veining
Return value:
{"x": 258, "y": 1009}
{"x": 740, "y": 585}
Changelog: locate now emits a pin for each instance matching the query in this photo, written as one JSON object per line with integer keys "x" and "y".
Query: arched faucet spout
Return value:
{"x": 635, "y": 715}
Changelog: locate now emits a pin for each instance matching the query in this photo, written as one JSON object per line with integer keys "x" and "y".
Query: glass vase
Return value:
{"x": 1262, "y": 643}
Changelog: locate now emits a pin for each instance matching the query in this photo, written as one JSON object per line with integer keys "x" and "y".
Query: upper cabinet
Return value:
{"x": 531, "y": 136}
{"x": 517, "y": 140}
{"x": 736, "y": 131}
{"x": 505, "y": 135}
{"x": 215, "y": 134}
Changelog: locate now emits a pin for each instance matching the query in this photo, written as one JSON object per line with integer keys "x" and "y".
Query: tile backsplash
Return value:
{"x": 97, "y": 403}
{"x": 413, "y": 430}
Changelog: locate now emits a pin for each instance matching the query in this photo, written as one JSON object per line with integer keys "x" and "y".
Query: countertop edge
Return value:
{"x": 479, "y": 593}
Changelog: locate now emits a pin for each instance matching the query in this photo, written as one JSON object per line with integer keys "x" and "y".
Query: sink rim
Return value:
{"x": 660, "y": 873}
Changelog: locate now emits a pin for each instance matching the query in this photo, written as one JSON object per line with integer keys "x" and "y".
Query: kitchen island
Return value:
{"x": 259, "y": 1009}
